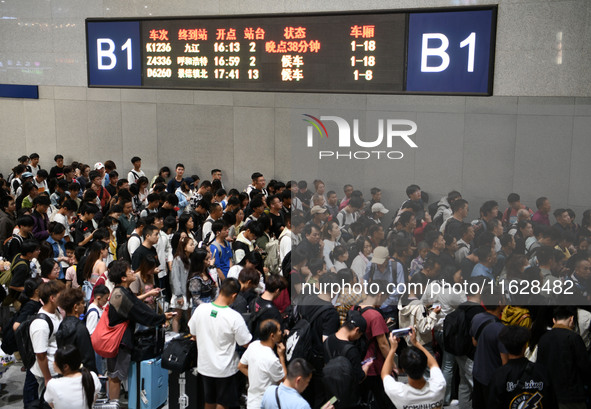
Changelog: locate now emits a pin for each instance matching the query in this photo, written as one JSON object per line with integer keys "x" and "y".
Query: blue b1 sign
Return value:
{"x": 114, "y": 57}
{"x": 450, "y": 52}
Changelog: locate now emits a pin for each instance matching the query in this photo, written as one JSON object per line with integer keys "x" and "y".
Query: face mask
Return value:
{"x": 114, "y": 227}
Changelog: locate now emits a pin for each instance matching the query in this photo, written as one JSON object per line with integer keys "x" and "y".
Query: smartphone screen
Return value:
{"x": 402, "y": 332}
{"x": 331, "y": 401}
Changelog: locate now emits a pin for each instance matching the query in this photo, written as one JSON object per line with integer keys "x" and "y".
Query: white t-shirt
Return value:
{"x": 133, "y": 244}
{"x": 61, "y": 219}
{"x": 39, "y": 332}
{"x": 405, "y": 396}
{"x": 234, "y": 271}
{"x": 92, "y": 317}
{"x": 218, "y": 329}
{"x": 67, "y": 392}
{"x": 264, "y": 370}
{"x": 134, "y": 175}
{"x": 42, "y": 186}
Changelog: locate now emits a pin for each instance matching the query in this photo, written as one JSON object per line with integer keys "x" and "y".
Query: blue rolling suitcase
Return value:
{"x": 148, "y": 385}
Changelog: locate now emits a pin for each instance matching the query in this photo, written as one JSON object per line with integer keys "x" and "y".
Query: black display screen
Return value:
{"x": 359, "y": 53}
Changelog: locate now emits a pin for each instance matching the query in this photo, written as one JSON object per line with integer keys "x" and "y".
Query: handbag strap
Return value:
{"x": 277, "y": 397}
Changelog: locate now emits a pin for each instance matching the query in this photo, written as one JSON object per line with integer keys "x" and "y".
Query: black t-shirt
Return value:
{"x": 20, "y": 274}
{"x": 518, "y": 382}
{"x": 55, "y": 172}
{"x": 453, "y": 228}
{"x": 270, "y": 312}
{"x": 142, "y": 252}
{"x": 334, "y": 347}
{"x": 14, "y": 245}
{"x": 111, "y": 189}
{"x": 173, "y": 185}
{"x": 562, "y": 352}
{"x": 167, "y": 212}
{"x": 467, "y": 266}
{"x": 326, "y": 324}
{"x": 82, "y": 229}
{"x": 29, "y": 308}
{"x": 277, "y": 223}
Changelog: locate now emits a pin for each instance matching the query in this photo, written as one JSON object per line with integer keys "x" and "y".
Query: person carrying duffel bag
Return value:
{"x": 125, "y": 310}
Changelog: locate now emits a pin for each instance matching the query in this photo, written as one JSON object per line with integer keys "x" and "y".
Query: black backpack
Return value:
{"x": 123, "y": 252}
{"x": 180, "y": 354}
{"x": 432, "y": 209}
{"x": 256, "y": 310}
{"x": 286, "y": 264}
{"x": 299, "y": 343}
{"x": 456, "y": 333}
{"x": 8, "y": 337}
{"x": 338, "y": 378}
{"x": 23, "y": 339}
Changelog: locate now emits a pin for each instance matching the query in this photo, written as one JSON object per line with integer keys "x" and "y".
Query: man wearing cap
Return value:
{"x": 342, "y": 343}
{"x": 25, "y": 177}
{"x": 378, "y": 211}
{"x": 383, "y": 268}
{"x": 99, "y": 167}
{"x": 319, "y": 216}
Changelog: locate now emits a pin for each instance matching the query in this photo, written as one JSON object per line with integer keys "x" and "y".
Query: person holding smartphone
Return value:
{"x": 413, "y": 360}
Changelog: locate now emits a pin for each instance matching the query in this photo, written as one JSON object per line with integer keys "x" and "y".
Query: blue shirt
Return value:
{"x": 388, "y": 275}
{"x": 481, "y": 271}
{"x": 288, "y": 397}
{"x": 223, "y": 257}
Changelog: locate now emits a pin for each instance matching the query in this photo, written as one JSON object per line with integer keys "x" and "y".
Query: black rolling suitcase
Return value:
{"x": 185, "y": 390}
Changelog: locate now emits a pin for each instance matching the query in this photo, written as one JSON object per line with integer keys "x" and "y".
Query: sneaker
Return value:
{"x": 454, "y": 402}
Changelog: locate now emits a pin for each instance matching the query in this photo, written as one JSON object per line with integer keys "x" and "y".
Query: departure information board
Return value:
{"x": 434, "y": 52}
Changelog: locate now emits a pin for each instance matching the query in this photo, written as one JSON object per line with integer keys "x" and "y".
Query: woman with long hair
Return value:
{"x": 77, "y": 388}
{"x": 144, "y": 285}
{"x": 364, "y": 249}
{"x": 112, "y": 225}
{"x": 95, "y": 266}
{"x": 163, "y": 173}
{"x": 237, "y": 225}
{"x": 179, "y": 276}
{"x": 184, "y": 194}
{"x": 201, "y": 286}
{"x": 330, "y": 234}
{"x": 185, "y": 228}
{"x": 84, "y": 178}
{"x": 143, "y": 193}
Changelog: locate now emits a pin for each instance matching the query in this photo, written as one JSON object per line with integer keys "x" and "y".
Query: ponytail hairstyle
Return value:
{"x": 182, "y": 253}
{"x": 31, "y": 285}
{"x": 69, "y": 355}
{"x": 337, "y": 252}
